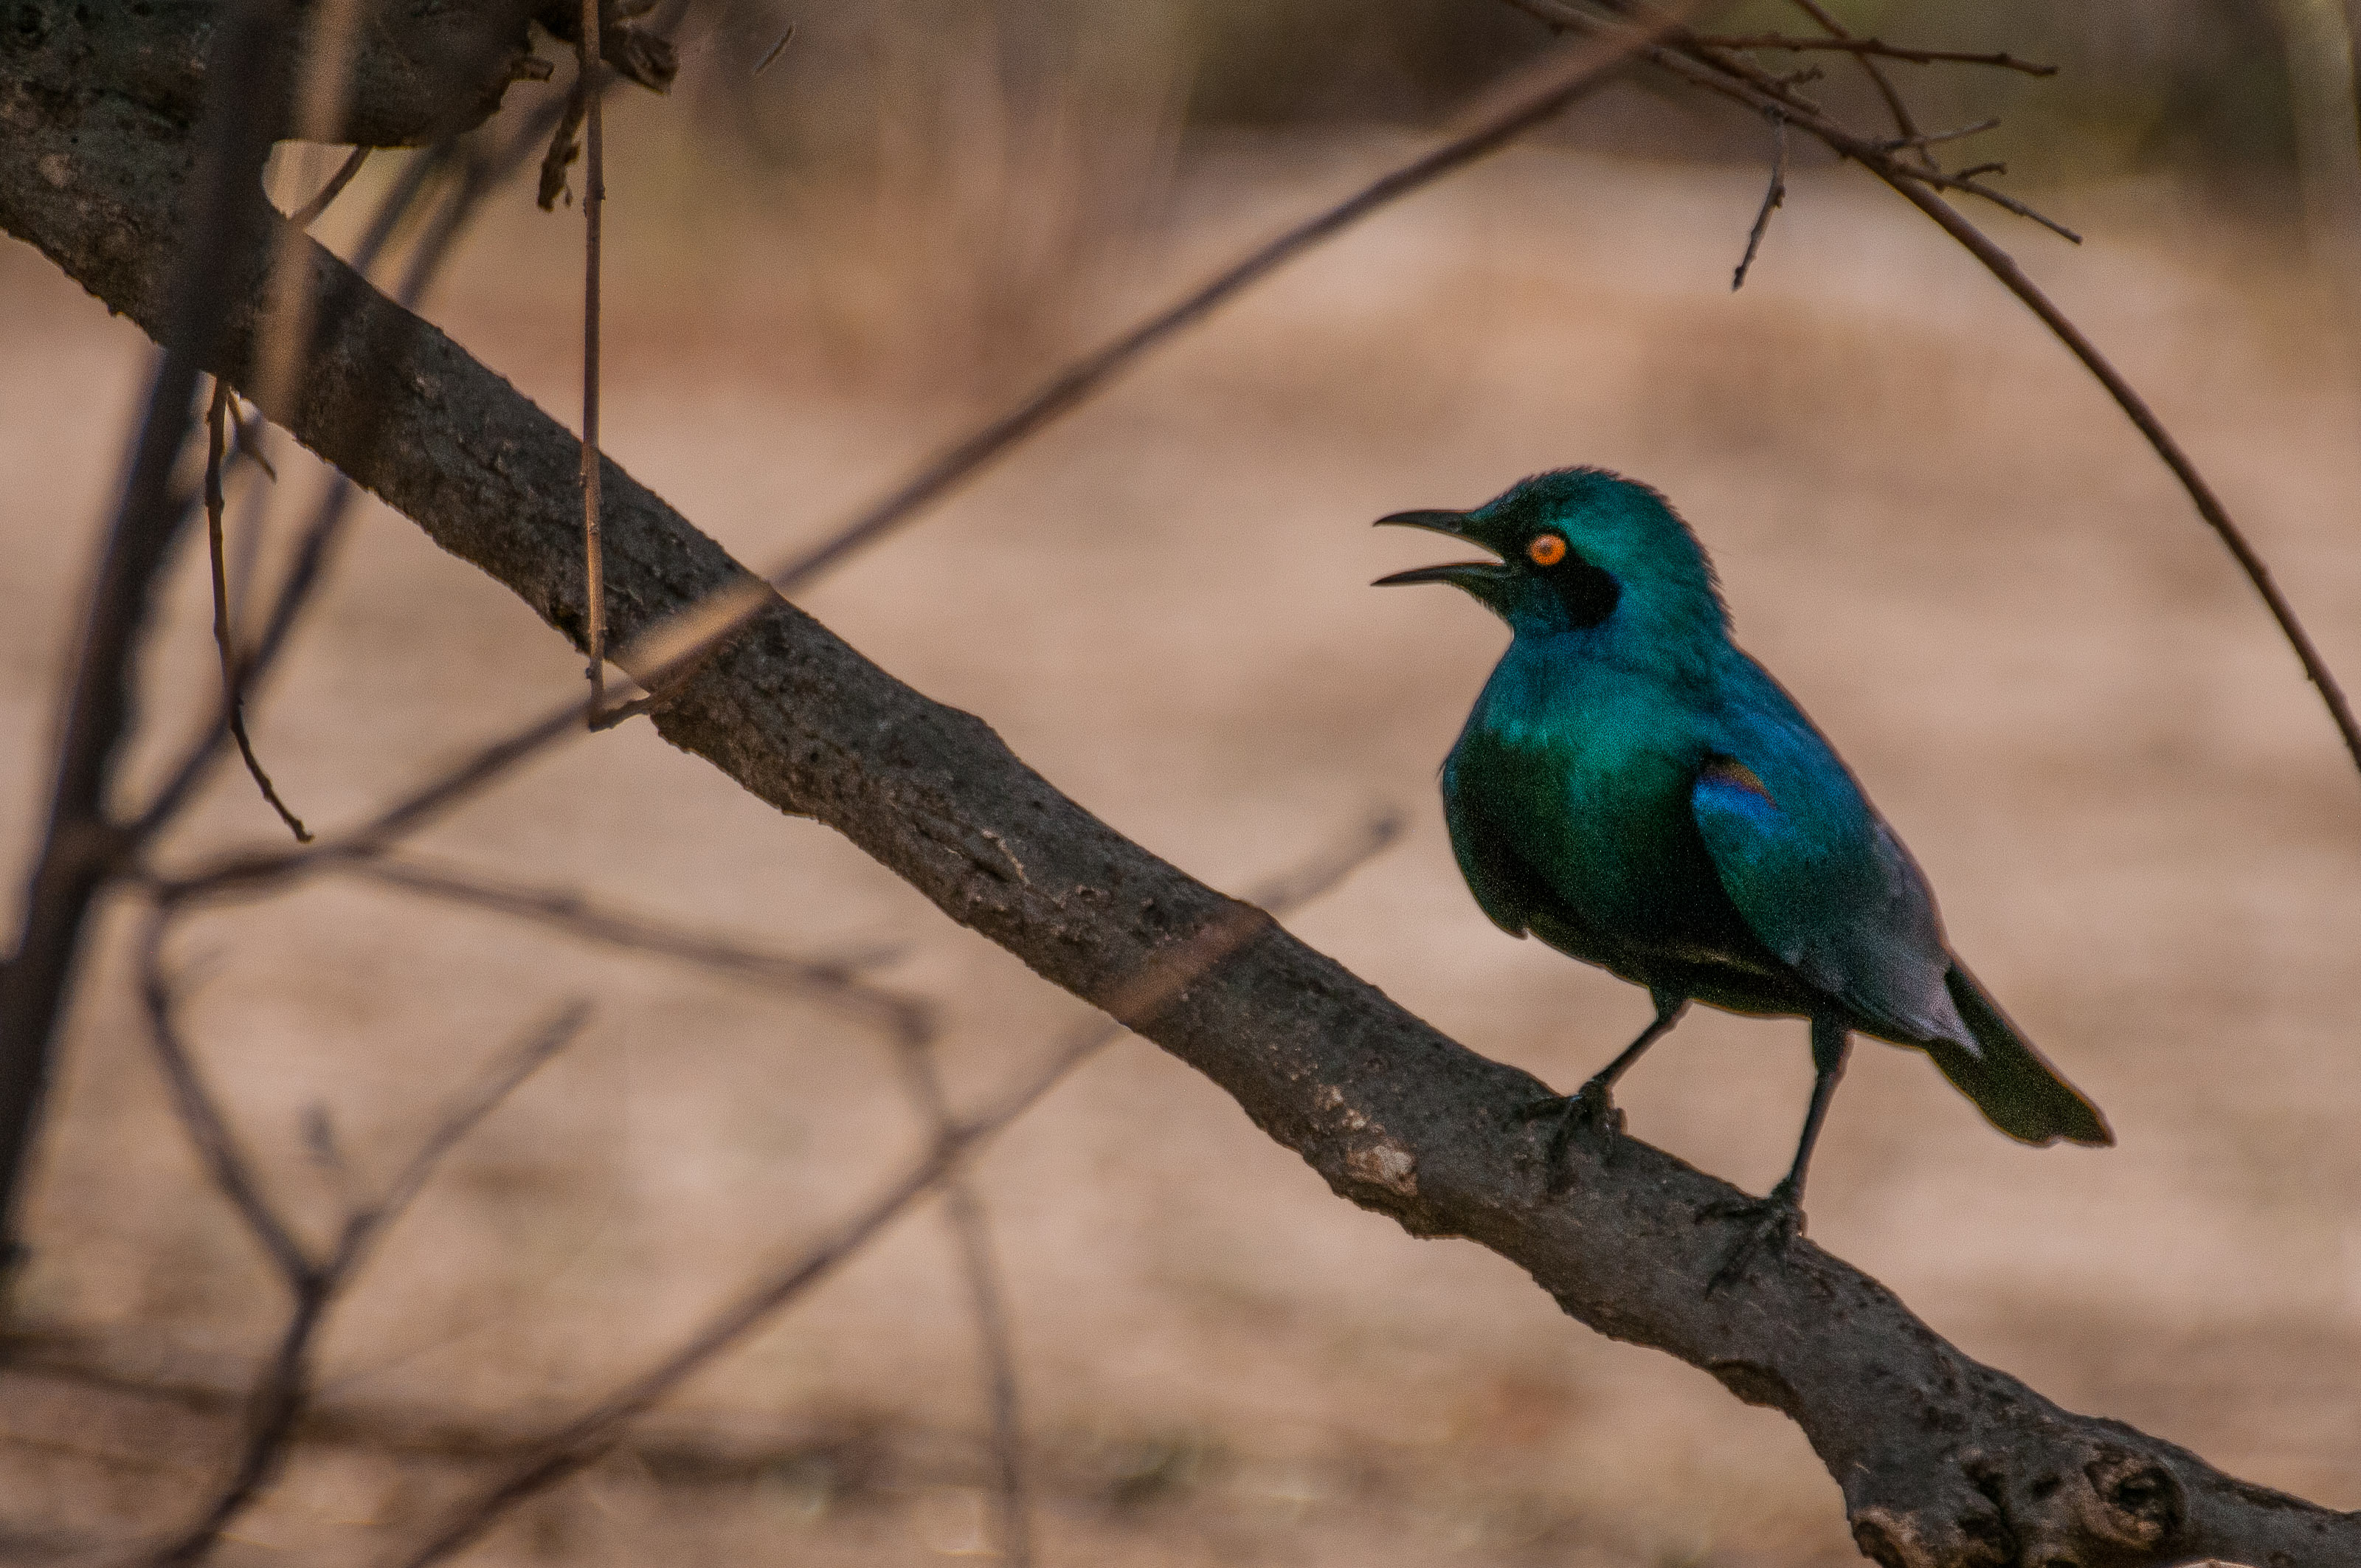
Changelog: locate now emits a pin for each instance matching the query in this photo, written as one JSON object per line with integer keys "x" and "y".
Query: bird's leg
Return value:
{"x": 1778, "y": 1218}
{"x": 1588, "y": 1106}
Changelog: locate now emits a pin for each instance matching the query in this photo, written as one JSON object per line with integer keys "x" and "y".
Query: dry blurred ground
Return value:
{"x": 1929, "y": 524}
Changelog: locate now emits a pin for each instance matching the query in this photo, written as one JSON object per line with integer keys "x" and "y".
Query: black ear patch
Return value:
{"x": 1589, "y": 594}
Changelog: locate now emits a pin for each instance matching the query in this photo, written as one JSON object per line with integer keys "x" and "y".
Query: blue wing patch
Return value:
{"x": 1824, "y": 884}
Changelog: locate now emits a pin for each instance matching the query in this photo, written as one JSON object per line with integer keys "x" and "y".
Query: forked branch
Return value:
{"x": 312, "y": 1282}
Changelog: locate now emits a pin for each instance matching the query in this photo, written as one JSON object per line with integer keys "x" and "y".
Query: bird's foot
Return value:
{"x": 1587, "y": 1109}
{"x": 1768, "y": 1224}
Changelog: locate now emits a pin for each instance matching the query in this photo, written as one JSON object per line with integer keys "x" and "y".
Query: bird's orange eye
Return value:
{"x": 1546, "y": 550}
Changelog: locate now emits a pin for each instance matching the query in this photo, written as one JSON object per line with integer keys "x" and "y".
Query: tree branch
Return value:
{"x": 1876, "y": 46}
{"x": 1944, "y": 1462}
{"x": 81, "y": 840}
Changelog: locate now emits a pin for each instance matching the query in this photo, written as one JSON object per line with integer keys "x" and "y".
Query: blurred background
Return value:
{"x": 1928, "y": 519}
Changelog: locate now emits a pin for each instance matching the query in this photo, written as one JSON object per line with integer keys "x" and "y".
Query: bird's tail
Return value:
{"x": 2012, "y": 1084}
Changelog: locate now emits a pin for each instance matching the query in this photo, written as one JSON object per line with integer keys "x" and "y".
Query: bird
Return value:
{"x": 1632, "y": 788}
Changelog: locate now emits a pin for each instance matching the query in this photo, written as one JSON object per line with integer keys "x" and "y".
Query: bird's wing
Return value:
{"x": 1823, "y": 883}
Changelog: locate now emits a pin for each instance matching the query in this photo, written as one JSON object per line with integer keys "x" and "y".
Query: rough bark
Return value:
{"x": 1943, "y": 1463}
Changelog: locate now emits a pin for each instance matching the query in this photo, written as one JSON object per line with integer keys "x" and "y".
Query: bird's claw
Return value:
{"x": 1770, "y": 1224}
{"x": 1587, "y": 1109}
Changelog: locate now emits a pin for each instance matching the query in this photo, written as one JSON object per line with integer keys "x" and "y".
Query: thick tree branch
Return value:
{"x": 1944, "y": 1462}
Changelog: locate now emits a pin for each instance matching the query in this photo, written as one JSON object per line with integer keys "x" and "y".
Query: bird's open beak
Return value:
{"x": 1459, "y": 573}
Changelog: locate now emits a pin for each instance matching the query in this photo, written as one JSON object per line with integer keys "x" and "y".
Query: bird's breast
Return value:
{"x": 1588, "y": 781}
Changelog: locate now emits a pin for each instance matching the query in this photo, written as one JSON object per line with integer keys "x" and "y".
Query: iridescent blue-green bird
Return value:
{"x": 1636, "y": 791}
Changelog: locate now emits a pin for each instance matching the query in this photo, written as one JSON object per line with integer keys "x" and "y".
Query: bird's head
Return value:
{"x": 1579, "y": 548}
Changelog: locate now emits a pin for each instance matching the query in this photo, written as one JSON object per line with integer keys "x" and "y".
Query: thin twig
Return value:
{"x": 217, "y": 447}
{"x": 227, "y": 1164}
{"x": 1735, "y": 77}
{"x": 837, "y": 984}
{"x": 224, "y": 635}
{"x": 253, "y": 872}
{"x": 246, "y": 532}
{"x": 1156, "y": 987}
{"x": 1773, "y": 199}
{"x": 777, "y": 50}
{"x": 594, "y": 198}
{"x": 1929, "y": 139}
{"x": 963, "y": 1213}
{"x": 307, "y": 215}
{"x": 461, "y": 1116}
{"x": 1906, "y": 128}
{"x": 1878, "y": 46}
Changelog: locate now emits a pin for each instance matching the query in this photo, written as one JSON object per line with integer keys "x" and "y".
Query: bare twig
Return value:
{"x": 307, "y": 215}
{"x": 217, "y": 449}
{"x": 1731, "y": 75}
{"x": 838, "y": 984}
{"x": 461, "y": 1116}
{"x": 277, "y": 1402}
{"x": 1772, "y": 198}
{"x": 1878, "y": 46}
{"x": 227, "y": 1166}
{"x": 963, "y": 1214}
{"x": 1731, "y": 70}
{"x": 777, "y": 50}
{"x": 1906, "y": 128}
{"x": 1140, "y": 998}
{"x": 224, "y": 635}
{"x": 1929, "y": 139}
{"x": 254, "y": 872}
{"x": 594, "y": 198}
